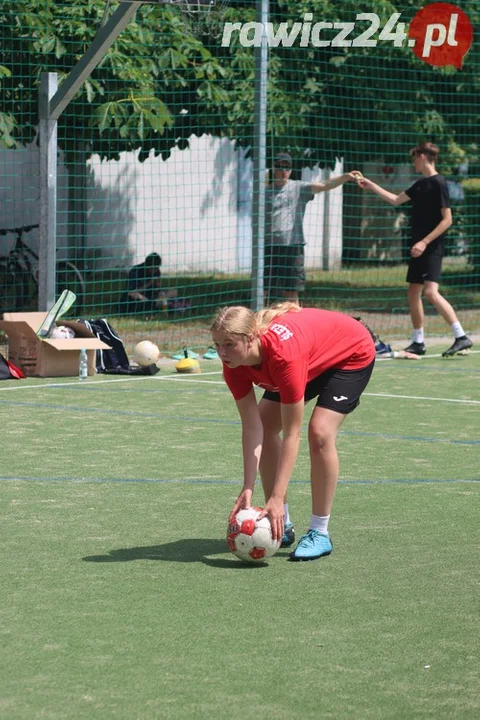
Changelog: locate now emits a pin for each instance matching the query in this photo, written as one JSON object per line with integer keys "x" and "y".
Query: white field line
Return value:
{"x": 108, "y": 381}
{"x": 421, "y": 397}
{"x": 196, "y": 379}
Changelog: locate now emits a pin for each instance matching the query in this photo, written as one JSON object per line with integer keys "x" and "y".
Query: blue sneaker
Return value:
{"x": 211, "y": 354}
{"x": 288, "y": 535}
{"x": 312, "y": 546}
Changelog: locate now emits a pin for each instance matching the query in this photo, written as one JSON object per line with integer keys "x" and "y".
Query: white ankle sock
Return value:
{"x": 320, "y": 523}
{"x": 418, "y": 336}
{"x": 286, "y": 514}
{"x": 457, "y": 329}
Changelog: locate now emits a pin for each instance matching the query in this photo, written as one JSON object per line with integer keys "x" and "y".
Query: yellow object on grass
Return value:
{"x": 187, "y": 364}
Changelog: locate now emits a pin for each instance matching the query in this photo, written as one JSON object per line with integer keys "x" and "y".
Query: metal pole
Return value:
{"x": 48, "y": 193}
{"x": 101, "y": 43}
{"x": 259, "y": 157}
{"x": 326, "y": 225}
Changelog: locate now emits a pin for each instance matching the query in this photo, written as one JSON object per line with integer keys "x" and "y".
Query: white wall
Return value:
{"x": 314, "y": 222}
{"x": 184, "y": 208}
{"x": 194, "y": 208}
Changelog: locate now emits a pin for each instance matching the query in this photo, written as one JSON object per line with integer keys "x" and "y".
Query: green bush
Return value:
{"x": 471, "y": 186}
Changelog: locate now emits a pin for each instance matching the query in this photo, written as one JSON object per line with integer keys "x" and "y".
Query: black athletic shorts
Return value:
{"x": 337, "y": 390}
{"x": 284, "y": 267}
{"x": 426, "y": 267}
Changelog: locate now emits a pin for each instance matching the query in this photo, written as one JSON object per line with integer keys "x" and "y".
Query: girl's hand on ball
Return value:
{"x": 274, "y": 509}
{"x": 242, "y": 502}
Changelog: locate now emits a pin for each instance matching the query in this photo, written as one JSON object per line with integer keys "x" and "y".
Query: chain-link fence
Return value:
{"x": 167, "y": 148}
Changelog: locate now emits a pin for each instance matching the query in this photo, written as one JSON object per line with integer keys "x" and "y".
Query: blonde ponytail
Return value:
{"x": 264, "y": 317}
{"x": 239, "y": 320}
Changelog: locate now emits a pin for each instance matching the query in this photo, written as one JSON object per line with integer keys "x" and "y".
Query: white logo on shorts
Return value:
{"x": 339, "y": 399}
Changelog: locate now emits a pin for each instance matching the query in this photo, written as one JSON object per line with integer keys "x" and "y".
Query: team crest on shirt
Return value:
{"x": 283, "y": 332}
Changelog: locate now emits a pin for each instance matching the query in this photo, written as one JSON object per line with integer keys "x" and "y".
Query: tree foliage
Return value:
{"x": 363, "y": 102}
{"x": 161, "y": 82}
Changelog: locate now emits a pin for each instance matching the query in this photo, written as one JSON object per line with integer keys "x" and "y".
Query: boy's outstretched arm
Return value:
{"x": 386, "y": 195}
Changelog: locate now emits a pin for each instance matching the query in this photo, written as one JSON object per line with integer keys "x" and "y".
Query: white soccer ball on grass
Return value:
{"x": 146, "y": 353}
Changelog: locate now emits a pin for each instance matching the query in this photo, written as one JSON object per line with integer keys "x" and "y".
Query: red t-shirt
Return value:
{"x": 299, "y": 346}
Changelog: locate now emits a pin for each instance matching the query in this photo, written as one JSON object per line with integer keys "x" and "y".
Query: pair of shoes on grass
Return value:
{"x": 311, "y": 546}
{"x": 186, "y": 352}
{"x": 460, "y": 344}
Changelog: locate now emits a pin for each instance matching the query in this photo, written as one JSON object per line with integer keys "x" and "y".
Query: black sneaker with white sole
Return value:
{"x": 416, "y": 348}
{"x": 461, "y": 343}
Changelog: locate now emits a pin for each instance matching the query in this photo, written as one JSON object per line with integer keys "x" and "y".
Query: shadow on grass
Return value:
{"x": 191, "y": 550}
{"x": 187, "y": 551}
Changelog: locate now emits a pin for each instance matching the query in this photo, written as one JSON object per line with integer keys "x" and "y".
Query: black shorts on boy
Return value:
{"x": 426, "y": 267}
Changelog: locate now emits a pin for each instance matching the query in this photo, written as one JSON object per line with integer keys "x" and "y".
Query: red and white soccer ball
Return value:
{"x": 251, "y": 539}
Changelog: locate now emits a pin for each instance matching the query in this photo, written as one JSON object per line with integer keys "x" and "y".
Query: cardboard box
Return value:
{"x": 48, "y": 357}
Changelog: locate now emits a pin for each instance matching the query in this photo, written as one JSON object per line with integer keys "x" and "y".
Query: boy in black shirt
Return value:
{"x": 431, "y": 218}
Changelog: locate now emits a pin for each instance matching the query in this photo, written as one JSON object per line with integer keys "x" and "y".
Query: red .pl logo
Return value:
{"x": 441, "y": 34}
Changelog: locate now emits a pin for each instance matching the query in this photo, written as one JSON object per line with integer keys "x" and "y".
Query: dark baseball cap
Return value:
{"x": 153, "y": 260}
{"x": 283, "y": 158}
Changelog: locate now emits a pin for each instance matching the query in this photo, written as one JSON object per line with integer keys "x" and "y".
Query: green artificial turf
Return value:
{"x": 120, "y": 598}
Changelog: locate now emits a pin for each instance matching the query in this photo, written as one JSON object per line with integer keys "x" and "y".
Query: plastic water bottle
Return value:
{"x": 83, "y": 365}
